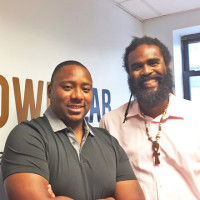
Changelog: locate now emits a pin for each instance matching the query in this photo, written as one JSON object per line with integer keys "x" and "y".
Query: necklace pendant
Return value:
{"x": 157, "y": 160}
{"x": 156, "y": 154}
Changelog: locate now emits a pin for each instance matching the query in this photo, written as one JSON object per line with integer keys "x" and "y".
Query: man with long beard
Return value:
{"x": 159, "y": 132}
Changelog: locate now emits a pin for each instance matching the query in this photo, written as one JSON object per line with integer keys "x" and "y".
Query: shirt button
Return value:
{"x": 73, "y": 143}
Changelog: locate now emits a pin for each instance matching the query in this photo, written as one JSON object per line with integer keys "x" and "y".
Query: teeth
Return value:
{"x": 75, "y": 106}
{"x": 150, "y": 80}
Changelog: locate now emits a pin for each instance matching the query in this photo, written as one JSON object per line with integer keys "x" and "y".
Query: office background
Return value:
{"x": 37, "y": 35}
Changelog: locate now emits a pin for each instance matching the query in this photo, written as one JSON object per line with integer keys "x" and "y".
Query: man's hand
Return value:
{"x": 51, "y": 191}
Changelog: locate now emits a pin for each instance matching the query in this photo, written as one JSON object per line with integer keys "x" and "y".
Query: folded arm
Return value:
{"x": 129, "y": 190}
{"x": 30, "y": 186}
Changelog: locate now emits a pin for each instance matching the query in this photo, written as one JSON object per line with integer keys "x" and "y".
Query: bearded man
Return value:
{"x": 158, "y": 131}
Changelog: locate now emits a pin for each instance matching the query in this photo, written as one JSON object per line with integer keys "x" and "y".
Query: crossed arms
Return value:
{"x": 23, "y": 186}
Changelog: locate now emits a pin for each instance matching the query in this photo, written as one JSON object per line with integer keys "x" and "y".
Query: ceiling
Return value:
{"x": 148, "y": 9}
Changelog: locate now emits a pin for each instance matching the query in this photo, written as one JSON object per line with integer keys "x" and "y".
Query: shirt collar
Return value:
{"x": 174, "y": 108}
{"x": 134, "y": 109}
{"x": 58, "y": 125}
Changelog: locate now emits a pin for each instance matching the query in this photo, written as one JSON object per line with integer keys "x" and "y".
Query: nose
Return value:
{"x": 146, "y": 69}
{"x": 77, "y": 94}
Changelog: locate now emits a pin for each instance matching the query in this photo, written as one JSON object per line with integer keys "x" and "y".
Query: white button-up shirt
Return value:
{"x": 178, "y": 175}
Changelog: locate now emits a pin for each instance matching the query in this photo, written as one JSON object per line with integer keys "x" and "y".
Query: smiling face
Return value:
{"x": 70, "y": 94}
{"x": 150, "y": 80}
{"x": 147, "y": 60}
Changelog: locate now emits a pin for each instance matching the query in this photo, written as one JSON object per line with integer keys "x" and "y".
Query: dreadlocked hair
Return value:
{"x": 126, "y": 113}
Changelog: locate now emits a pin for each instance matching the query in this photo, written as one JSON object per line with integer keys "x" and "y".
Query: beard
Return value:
{"x": 149, "y": 96}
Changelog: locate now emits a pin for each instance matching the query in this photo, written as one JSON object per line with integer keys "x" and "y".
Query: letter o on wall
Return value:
{"x": 4, "y": 101}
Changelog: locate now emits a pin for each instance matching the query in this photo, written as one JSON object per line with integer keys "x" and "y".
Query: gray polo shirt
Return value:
{"x": 58, "y": 125}
{"x": 46, "y": 146}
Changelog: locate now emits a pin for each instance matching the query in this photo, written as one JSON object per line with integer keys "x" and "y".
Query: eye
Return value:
{"x": 67, "y": 87}
{"x": 153, "y": 62}
{"x": 86, "y": 89}
{"x": 136, "y": 67}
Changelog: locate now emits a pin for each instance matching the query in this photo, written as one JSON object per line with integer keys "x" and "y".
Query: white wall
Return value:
{"x": 169, "y": 29}
{"x": 37, "y": 35}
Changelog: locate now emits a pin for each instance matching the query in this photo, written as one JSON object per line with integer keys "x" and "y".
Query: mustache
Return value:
{"x": 157, "y": 77}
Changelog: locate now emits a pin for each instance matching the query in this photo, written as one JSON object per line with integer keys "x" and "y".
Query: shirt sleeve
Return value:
{"x": 25, "y": 152}
{"x": 124, "y": 169}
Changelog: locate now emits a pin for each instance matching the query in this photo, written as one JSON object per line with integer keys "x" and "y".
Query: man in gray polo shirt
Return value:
{"x": 60, "y": 148}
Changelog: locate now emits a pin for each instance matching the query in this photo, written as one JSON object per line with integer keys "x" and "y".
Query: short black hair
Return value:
{"x": 65, "y": 63}
{"x": 149, "y": 41}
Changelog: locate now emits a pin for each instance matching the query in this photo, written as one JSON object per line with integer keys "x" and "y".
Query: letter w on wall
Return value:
{"x": 22, "y": 110}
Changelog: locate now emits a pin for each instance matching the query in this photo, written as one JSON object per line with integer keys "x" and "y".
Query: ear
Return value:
{"x": 168, "y": 66}
{"x": 49, "y": 88}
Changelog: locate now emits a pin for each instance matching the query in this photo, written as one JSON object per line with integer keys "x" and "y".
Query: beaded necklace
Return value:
{"x": 155, "y": 144}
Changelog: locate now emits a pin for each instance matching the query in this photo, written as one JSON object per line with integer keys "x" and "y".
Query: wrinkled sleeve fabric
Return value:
{"x": 25, "y": 151}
